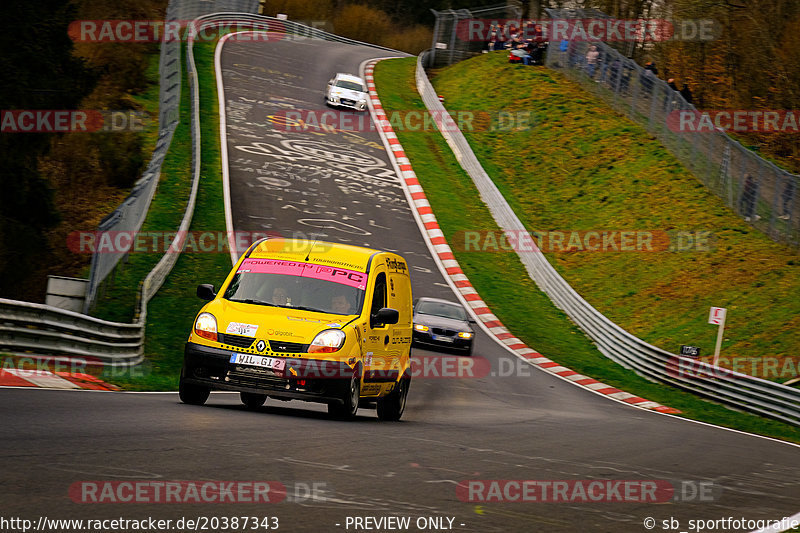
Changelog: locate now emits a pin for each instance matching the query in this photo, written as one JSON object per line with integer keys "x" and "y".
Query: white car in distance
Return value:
{"x": 345, "y": 90}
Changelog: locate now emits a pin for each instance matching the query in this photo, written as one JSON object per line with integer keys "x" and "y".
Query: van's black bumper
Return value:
{"x": 314, "y": 380}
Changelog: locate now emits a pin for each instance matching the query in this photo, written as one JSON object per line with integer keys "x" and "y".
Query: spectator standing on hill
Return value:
{"x": 491, "y": 40}
{"x": 563, "y": 58}
{"x": 538, "y": 34}
{"x": 787, "y": 196}
{"x": 537, "y": 52}
{"x": 686, "y": 93}
{"x": 671, "y": 96}
{"x": 671, "y": 83}
{"x": 613, "y": 72}
{"x": 516, "y": 41}
{"x": 573, "y": 56}
{"x": 500, "y": 44}
{"x": 649, "y": 74}
{"x": 592, "y": 57}
{"x": 747, "y": 201}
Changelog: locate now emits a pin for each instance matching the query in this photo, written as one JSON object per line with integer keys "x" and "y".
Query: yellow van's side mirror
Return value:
{"x": 384, "y": 316}
{"x": 206, "y": 292}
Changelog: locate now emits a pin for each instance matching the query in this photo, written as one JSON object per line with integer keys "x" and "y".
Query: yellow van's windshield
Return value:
{"x": 298, "y": 285}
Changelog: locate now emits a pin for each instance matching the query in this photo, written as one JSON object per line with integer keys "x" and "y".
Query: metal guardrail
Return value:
{"x": 42, "y": 330}
{"x": 293, "y": 30}
{"x": 740, "y": 390}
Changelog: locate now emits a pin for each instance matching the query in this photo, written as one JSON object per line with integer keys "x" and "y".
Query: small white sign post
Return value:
{"x": 717, "y": 316}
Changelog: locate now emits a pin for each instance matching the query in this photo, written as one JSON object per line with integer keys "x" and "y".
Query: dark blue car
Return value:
{"x": 444, "y": 324}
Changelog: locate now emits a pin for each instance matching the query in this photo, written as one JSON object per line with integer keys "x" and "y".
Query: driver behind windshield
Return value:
{"x": 340, "y": 304}
{"x": 280, "y": 296}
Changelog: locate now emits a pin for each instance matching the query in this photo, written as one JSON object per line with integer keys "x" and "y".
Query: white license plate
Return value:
{"x": 258, "y": 360}
{"x": 442, "y": 338}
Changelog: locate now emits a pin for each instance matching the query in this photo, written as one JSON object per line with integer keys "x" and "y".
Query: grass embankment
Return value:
{"x": 172, "y": 310}
{"x": 529, "y": 314}
{"x": 582, "y": 167}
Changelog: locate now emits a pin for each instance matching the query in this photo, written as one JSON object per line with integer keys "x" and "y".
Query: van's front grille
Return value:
{"x": 239, "y": 341}
{"x": 286, "y": 346}
{"x": 255, "y": 377}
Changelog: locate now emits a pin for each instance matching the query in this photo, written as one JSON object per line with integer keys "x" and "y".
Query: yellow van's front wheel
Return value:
{"x": 392, "y": 406}
{"x": 349, "y": 405}
{"x": 190, "y": 393}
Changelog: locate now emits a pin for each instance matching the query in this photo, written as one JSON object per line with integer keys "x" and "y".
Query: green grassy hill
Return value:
{"x": 582, "y": 167}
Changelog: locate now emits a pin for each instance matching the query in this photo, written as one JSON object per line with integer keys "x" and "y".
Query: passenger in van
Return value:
{"x": 340, "y": 304}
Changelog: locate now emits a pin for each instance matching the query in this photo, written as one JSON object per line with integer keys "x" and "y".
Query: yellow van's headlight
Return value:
{"x": 206, "y": 326}
{"x": 327, "y": 341}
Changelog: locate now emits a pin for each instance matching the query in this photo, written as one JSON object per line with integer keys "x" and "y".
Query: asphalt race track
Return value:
{"x": 512, "y": 423}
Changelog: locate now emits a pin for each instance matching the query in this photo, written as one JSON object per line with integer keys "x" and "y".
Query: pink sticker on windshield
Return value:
{"x": 351, "y": 278}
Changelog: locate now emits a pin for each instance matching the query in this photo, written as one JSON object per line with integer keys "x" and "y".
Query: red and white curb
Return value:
{"x": 13, "y": 377}
{"x": 447, "y": 261}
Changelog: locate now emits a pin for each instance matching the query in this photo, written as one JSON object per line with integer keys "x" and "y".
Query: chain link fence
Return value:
{"x": 451, "y": 43}
{"x": 130, "y": 215}
{"x": 756, "y": 189}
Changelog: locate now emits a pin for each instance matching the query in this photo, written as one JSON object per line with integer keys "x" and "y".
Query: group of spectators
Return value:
{"x": 529, "y": 47}
{"x": 612, "y": 72}
{"x": 650, "y": 74}
{"x": 526, "y": 47}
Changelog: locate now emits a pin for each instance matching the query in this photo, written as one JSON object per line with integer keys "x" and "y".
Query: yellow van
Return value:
{"x": 303, "y": 320}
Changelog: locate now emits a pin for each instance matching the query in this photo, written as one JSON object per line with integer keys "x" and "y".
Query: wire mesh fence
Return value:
{"x": 451, "y": 42}
{"x": 756, "y": 189}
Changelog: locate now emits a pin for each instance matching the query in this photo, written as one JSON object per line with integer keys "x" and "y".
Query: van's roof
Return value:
{"x": 322, "y": 253}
